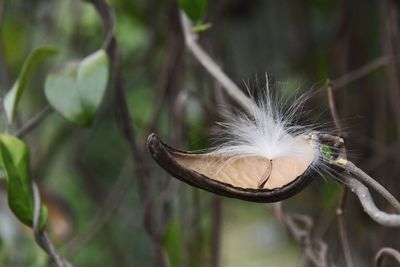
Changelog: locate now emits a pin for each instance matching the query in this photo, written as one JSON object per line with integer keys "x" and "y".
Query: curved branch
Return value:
{"x": 385, "y": 252}
{"x": 368, "y": 180}
{"x": 363, "y": 194}
{"x": 357, "y": 184}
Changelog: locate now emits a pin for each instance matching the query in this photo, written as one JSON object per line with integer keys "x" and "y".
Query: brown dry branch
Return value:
{"x": 356, "y": 183}
{"x": 211, "y": 66}
{"x": 343, "y": 236}
{"x": 300, "y": 227}
{"x": 361, "y": 72}
{"x": 141, "y": 168}
{"x": 390, "y": 43}
{"x": 356, "y": 180}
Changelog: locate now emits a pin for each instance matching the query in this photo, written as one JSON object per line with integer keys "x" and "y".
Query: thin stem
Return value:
{"x": 360, "y": 72}
{"x": 344, "y": 239}
{"x": 34, "y": 121}
{"x": 212, "y": 67}
{"x": 41, "y": 236}
{"x": 342, "y": 228}
{"x": 216, "y": 231}
{"x": 332, "y": 107}
{"x": 103, "y": 215}
{"x": 300, "y": 226}
{"x": 141, "y": 167}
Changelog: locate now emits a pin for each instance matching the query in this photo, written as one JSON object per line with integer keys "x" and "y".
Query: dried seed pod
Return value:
{"x": 251, "y": 178}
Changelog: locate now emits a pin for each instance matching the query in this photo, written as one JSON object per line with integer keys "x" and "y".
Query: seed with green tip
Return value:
{"x": 326, "y": 151}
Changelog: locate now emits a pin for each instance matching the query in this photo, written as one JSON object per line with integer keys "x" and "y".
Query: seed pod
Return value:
{"x": 251, "y": 178}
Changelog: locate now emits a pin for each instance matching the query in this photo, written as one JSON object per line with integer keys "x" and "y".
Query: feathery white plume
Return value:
{"x": 270, "y": 131}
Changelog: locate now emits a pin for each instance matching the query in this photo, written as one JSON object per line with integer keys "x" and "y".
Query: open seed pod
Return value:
{"x": 251, "y": 178}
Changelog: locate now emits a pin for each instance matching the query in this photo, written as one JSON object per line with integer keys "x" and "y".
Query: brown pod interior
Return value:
{"x": 252, "y": 178}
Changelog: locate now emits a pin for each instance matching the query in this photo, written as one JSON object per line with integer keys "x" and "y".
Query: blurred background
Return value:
{"x": 87, "y": 177}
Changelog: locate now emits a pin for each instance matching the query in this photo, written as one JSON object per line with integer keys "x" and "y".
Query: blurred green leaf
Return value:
{"x": 194, "y": 9}
{"x": 15, "y": 160}
{"x": 201, "y": 27}
{"x": 76, "y": 90}
{"x": 30, "y": 65}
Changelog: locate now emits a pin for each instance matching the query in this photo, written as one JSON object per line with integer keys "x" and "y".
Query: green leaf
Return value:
{"x": 15, "y": 160}
{"x": 77, "y": 89}
{"x": 30, "y": 65}
{"x": 201, "y": 27}
{"x": 194, "y": 9}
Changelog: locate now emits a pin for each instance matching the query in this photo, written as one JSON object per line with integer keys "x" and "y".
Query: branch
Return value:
{"x": 34, "y": 121}
{"x": 212, "y": 67}
{"x": 111, "y": 203}
{"x": 344, "y": 239}
{"x": 332, "y": 107}
{"x": 355, "y": 179}
{"x": 384, "y": 253}
{"x": 41, "y": 236}
{"x": 363, "y": 194}
{"x": 360, "y": 72}
{"x": 315, "y": 249}
{"x": 361, "y": 176}
{"x": 141, "y": 167}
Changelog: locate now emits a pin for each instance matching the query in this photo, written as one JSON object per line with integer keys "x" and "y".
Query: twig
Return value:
{"x": 359, "y": 188}
{"x": 360, "y": 72}
{"x": 141, "y": 168}
{"x": 344, "y": 240}
{"x": 34, "y": 121}
{"x": 315, "y": 249}
{"x": 360, "y": 175}
{"x": 386, "y": 252}
{"x": 389, "y": 18}
{"x": 212, "y": 67}
{"x": 366, "y": 200}
{"x": 41, "y": 236}
{"x": 216, "y": 231}
{"x": 103, "y": 215}
{"x": 332, "y": 107}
